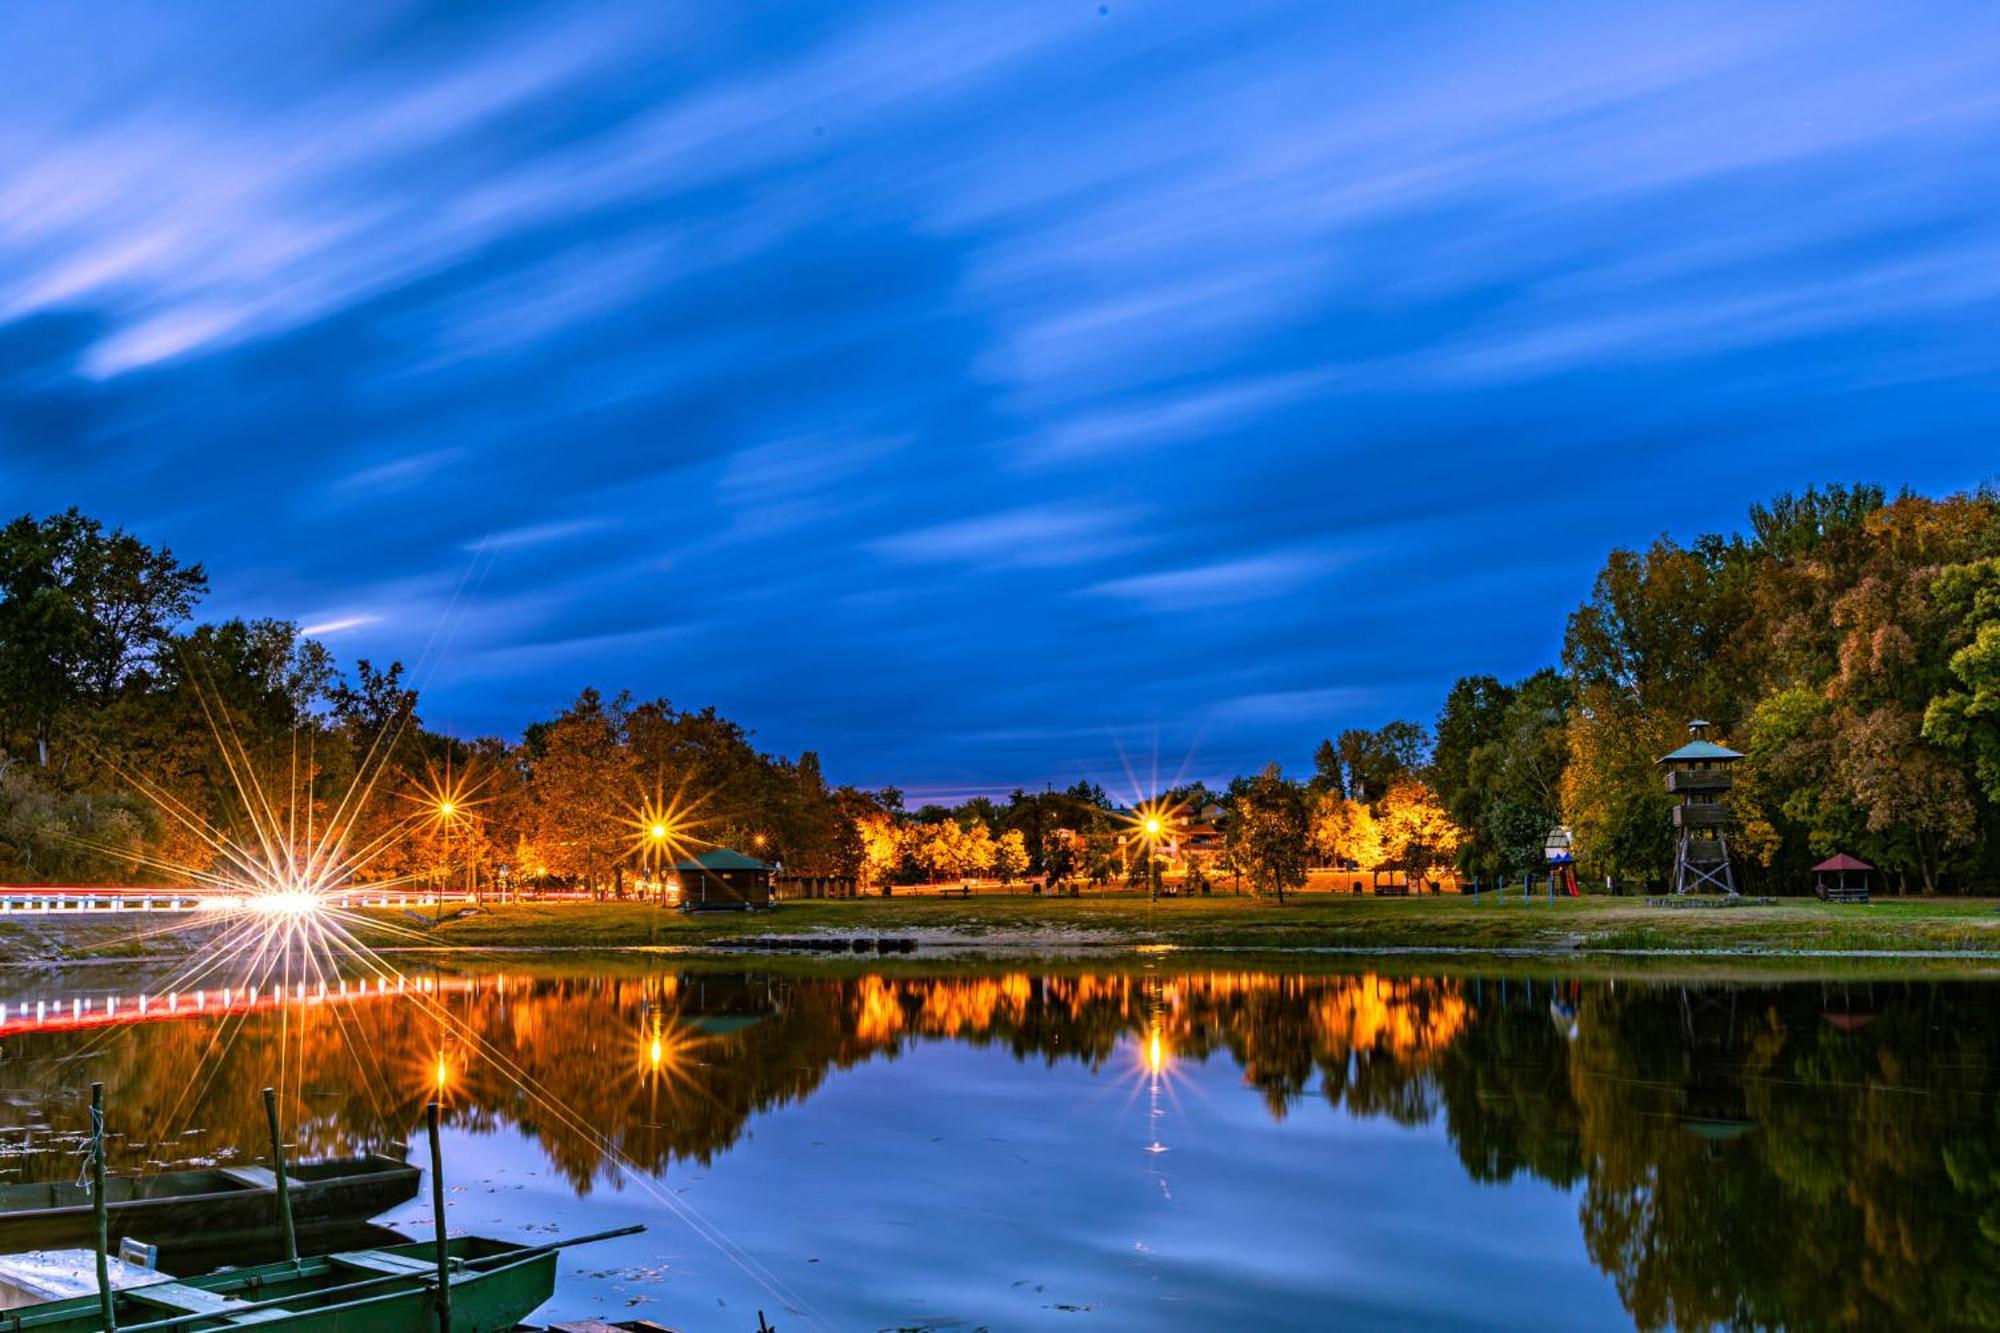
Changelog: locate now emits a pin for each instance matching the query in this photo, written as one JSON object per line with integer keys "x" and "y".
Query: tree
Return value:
{"x": 1345, "y": 831}
{"x": 1010, "y": 855}
{"x": 1966, "y": 717}
{"x": 1417, "y": 834}
{"x": 1498, "y": 767}
{"x": 952, "y": 849}
{"x": 1373, "y": 760}
{"x": 1328, "y": 773}
{"x": 1659, "y": 642}
{"x": 1275, "y": 832}
{"x": 581, "y": 790}
{"x": 883, "y": 844}
{"x": 83, "y": 613}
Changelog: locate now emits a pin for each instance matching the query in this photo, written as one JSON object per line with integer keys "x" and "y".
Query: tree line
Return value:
{"x": 133, "y": 741}
{"x": 1847, "y": 643}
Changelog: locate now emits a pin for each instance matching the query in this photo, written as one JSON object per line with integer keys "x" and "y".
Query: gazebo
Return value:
{"x": 1842, "y": 879}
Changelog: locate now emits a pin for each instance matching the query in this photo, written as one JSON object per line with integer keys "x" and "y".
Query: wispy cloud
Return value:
{"x": 326, "y": 629}
{"x": 1036, "y": 536}
{"x": 1224, "y": 583}
{"x": 540, "y": 534}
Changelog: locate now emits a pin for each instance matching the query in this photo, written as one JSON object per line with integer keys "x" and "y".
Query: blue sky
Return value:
{"x": 980, "y": 394}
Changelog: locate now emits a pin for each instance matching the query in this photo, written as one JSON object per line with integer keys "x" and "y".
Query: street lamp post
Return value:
{"x": 1152, "y": 827}
{"x": 657, "y": 834}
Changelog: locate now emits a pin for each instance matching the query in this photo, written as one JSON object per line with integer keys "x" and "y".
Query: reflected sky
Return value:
{"x": 1151, "y": 1147}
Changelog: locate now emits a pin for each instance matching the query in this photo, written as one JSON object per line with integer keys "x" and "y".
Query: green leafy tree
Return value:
{"x": 84, "y": 613}
{"x": 1275, "y": 832}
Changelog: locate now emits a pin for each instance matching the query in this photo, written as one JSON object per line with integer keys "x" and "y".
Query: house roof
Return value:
{"x": 1843, "y": 862}
{"x": 1701, "y": 750}
{"x": 719, "y": 859}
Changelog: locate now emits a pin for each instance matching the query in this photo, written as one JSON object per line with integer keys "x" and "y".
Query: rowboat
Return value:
{"x": 493, "y": 1285}
{"x": 221, "y": 1204}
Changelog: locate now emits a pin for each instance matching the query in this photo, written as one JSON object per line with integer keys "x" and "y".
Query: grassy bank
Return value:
{"x": 1023, "y": 923}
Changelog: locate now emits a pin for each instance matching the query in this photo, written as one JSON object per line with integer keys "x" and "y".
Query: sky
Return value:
{"x": 980, "y": 394}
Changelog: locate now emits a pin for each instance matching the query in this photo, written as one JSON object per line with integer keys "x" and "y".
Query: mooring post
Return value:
{"x": 107, "y": 1300}
{"x": 437, "y": 1214}
{"x": 278, "y": 1170}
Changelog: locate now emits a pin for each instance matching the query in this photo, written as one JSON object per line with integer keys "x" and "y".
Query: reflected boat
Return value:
{"x": 217, "y": 1204}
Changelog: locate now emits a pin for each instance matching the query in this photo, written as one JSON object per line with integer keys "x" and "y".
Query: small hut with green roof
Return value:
{"x": 722, "y": 878}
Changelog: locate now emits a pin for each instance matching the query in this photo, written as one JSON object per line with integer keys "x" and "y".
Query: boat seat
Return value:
{"x": 256, "y": 1177}
{"x": 377, "y": 1261}
{"x": 179, "y": 1298}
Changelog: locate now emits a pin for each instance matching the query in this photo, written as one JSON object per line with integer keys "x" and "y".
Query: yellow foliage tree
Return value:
{"x": 1417, "y": 835}
{"x": 882, "y": 844}
{"x": 1344, "y": 830}
{"x": 952, "y": 851}
{"x": 1010, "y": 854}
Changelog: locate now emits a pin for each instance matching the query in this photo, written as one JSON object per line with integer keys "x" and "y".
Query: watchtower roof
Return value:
{"x": 1701, "y": 750}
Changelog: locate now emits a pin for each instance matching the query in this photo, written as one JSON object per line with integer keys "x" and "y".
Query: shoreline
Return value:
{"x": 1018, "y": 927}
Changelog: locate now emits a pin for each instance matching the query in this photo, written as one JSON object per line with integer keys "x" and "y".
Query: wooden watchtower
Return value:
{"x": 1698, "y": 773}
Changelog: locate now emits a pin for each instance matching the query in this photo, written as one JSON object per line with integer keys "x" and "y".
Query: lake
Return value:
{"x": 1147, "y": 1144}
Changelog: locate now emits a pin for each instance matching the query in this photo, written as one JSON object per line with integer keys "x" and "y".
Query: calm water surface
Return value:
{"x": 1159, "y": 1146}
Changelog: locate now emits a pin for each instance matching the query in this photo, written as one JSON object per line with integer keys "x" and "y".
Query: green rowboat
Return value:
{"x": 494, "y": 1285}
{"x": 221, "y": 1205}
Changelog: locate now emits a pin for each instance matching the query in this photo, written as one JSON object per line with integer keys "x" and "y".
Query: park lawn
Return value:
{"x": 1025, "y": 924}
{"x": 1327, "y": 921}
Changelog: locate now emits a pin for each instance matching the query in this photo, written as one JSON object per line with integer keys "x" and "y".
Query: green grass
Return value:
{"x": 1325, "y": 921}
{"x": 1024, "y": 923}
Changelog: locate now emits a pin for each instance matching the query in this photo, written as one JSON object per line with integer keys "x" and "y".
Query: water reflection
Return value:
{"x": 1796, "y": 1155}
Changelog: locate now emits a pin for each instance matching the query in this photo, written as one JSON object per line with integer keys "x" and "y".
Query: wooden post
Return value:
{"x": 107, "y": 1300}
{"x": 437, "y": 1214}
{"x": 278, "y": 1169}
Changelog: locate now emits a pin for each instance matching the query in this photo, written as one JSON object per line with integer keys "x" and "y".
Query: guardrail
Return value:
{"x": 64, "y": 899}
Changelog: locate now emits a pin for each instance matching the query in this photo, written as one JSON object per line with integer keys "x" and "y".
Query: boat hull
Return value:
{"x": 309, "y": 1299}
{"x": 201, "y": 1203}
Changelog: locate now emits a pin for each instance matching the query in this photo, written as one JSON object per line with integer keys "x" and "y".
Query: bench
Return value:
{"x": 179, "y": 1298}
{"x": 255, "y": 1177}
{"x": 393, "y": 1265}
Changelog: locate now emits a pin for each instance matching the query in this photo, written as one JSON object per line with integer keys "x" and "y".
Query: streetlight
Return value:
{"x": 657, "y": 834}
{"x": 1152, "y": 826}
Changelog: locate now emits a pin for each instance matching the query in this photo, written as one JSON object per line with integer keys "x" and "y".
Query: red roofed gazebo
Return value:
{"x": 1842, "y": 879}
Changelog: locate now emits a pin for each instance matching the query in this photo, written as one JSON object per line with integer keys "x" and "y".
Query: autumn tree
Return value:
{"x": 1418, "y": 836}
{"x": 1010, "y": 855}
{"x": 1345, "y": 831}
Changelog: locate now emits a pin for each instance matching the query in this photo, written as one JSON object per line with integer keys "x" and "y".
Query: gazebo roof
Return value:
{"x": 719, "y": 859}
{"x": 1701, "y": 750}
{"x": 1843, "y": 862}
